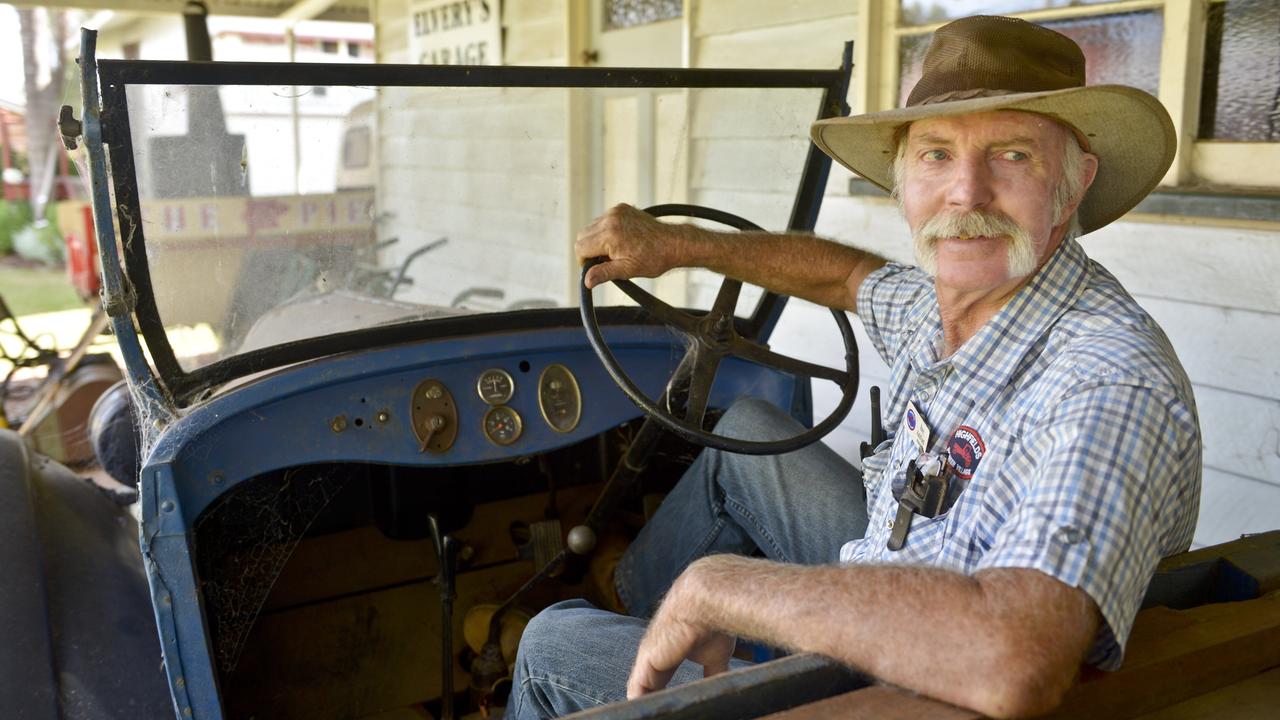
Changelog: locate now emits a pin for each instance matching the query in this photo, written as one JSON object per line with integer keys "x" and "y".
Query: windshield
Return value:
{"x": 269, "y": 218}
{"x": 273, "y": 214}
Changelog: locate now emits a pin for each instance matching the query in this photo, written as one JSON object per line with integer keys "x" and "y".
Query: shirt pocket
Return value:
{"x": 925, "y": 540}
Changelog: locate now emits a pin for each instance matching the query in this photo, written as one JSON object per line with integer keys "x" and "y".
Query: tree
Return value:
{"x": 43, "y": 99}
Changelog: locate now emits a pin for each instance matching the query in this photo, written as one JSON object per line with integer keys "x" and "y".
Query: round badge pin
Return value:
{"x": 965, "y": 450}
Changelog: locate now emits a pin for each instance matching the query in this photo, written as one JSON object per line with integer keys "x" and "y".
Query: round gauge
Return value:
{"x": 502, "y": 425}
{"x": 559, "y": 398}
{"x": 495, "y": 386}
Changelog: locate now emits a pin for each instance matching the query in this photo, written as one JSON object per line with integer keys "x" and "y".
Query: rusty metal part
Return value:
{"x": 434, "y": 415}
{"x": 69, "y": 127}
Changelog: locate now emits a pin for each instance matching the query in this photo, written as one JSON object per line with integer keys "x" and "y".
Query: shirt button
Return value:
{"x": 889, "y": 523}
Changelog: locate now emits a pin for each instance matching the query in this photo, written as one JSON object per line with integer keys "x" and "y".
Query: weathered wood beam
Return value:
{"x": 1176, "y": 655}
{"x": 343, "y": 13}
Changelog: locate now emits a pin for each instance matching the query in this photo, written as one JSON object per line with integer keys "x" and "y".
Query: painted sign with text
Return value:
{"x": 455, "y": 32}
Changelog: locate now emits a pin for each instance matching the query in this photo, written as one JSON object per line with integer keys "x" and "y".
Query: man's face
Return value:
{"x": 978, "y": 193}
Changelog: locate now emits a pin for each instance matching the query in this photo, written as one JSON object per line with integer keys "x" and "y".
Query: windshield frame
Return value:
{"x": 115, "y": 76}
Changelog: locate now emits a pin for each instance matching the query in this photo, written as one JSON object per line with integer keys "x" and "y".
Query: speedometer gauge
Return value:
{"x": 495, "y": 386}
{"x": 502, "y": 425}
{"x": 559, "y": 398}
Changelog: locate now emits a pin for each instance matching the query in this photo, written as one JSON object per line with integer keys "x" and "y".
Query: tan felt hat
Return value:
{"x": 984, "y": 64}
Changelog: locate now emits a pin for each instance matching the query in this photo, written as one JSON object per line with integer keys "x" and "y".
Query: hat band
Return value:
{"x": 966, "y": 95}
{"x": 972, "y": 93}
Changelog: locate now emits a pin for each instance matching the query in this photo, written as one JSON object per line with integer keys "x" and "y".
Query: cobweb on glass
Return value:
{"x": 244, "y": 543}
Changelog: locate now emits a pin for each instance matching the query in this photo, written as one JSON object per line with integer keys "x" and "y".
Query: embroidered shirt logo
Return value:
{"x": 965, "y": 451}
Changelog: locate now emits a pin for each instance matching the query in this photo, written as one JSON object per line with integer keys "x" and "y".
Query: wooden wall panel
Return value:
{"x": 518, "y": 12}
{"x": 1223, "y": 267}
{"x": 483, "y": 170}
{"x": 538, "y": 42}
{"x": 533, "y": 31}
{"x": 810, "y": 44}
{"x": 747, "y": 165}
{"x": 1237, "y": 348}
{"x": 754, "y": 114}
{"x": 391, "y": 31}
{"x": 768, "y": 210}
{"x": 1232, "y": 505}
{"x": 1241, "y": 433}
{"x": 724, "y": 17}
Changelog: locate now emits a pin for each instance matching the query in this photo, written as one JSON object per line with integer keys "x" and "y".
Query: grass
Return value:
{"x": 35, "y": 289}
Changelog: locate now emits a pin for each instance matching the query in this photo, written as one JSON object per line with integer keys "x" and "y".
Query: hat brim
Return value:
{"x": 1127, "y": 129}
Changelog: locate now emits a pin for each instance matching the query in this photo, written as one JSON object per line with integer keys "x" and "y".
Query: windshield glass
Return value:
{"x": 273, "y": 214}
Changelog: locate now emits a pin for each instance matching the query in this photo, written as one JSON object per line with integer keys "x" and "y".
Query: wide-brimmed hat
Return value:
{"x": 984, "y": 64}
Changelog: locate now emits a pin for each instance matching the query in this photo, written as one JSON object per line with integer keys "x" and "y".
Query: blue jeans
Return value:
{"x": 798, "y": 508}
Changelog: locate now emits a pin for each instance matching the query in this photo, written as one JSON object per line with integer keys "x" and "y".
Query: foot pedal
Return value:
{"x": 546, "y": 541}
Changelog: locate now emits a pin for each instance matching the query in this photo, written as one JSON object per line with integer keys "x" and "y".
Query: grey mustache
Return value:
{"x": 971, "y": 224}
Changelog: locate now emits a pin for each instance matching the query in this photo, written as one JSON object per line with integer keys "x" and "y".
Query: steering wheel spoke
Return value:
{"x": 761, "y": 355}
{"x": 693, "y": 380}
{"x": 727, "y": 298}
{"x": 658, "y": 308}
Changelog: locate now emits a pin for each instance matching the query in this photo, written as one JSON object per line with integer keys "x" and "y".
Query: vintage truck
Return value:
{"x": 349, "y": 506}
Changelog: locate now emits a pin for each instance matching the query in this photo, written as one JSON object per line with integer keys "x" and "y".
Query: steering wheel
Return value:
{"x": 713, "y": 336}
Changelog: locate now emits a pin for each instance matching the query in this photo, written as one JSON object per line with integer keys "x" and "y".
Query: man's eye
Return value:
{"x": 1015, "y": 155}
{"x": 935, "y": 155}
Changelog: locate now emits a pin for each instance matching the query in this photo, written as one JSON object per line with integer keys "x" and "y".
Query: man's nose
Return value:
{"x": 971, "y": 184}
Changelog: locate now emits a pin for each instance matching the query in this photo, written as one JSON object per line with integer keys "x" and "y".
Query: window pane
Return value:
{"x": 1119, "y": 49}
{"x": 925, "y": 12}
{"x": 620, "y": 14}
{"x": 1240, "y": 99}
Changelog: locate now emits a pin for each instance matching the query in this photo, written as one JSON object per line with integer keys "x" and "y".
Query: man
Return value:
{"x": 1040, "y": 412}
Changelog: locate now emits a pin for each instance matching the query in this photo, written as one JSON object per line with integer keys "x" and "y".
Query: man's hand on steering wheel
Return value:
{"x": 635, "y": 243}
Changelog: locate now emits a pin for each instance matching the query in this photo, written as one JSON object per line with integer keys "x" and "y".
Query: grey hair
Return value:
{"x": 1069, "y": 188}
{"x": 898, "y": 171}
{"x": 1070, "y": 185}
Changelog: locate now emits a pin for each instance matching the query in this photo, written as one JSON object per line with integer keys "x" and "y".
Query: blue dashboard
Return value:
{"x": 360, "y": 407}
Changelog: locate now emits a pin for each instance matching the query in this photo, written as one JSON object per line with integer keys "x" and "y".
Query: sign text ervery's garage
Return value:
{"x": 455, "y": 32}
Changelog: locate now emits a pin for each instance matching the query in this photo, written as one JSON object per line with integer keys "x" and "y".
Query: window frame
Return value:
{"x": 1199, "y": 163}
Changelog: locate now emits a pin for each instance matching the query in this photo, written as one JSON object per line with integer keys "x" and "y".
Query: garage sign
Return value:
{"x": 455, "y": 32}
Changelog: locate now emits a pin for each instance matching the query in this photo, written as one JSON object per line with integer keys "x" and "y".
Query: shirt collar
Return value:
{"x": 996, "y": 353}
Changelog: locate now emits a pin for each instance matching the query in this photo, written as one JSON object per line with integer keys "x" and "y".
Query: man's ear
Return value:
{"x": 1088, "y": 171}
{"x": 1089, "y": 167}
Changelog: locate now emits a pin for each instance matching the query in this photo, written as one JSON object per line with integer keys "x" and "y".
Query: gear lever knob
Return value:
{"x": 582, "y": 540}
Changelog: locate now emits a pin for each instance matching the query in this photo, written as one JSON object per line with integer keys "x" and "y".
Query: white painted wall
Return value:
{"x": 484, "y": 169}
{"x": 459, "y": 166}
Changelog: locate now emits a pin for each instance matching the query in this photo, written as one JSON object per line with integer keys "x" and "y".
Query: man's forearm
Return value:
{"x": 633, "y": 243}
{"x": 947, "y": 635}
{"x": 795, "y": 264}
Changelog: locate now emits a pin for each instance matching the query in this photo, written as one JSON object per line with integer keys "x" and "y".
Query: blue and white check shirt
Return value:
{"x": 1073, "y": 418}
